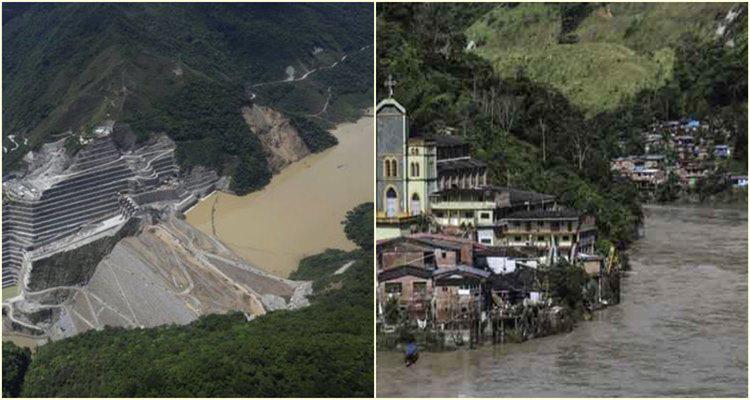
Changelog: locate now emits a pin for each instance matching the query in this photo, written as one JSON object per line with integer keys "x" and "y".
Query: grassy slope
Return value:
{"x": 617, "y": 54}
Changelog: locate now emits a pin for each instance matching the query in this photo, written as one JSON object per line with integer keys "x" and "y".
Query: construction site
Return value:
{"x": 98, "y": 239}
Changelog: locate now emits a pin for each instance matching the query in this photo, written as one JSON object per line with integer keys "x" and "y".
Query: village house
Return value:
{"x": 722, "y": 151}
{"x": 408, "y": 266}
{"x": 549, "y": 233}
{"x": 738, "y": 181}
{"x": 646, "y": 171}
{"x": 493, "y": 216}
{"x": 455, "y": 167}
{"x": 441, "y": 276}
{"x": 690, "y": 172}
{"x": 478, "y": 211}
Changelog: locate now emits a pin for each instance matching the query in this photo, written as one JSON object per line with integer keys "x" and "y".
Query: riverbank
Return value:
{"x": 680, "y": 329}
{"x": 726, "y": 198}
{"x": 299, "y": 212}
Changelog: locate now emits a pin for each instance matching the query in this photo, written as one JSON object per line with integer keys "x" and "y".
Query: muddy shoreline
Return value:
{"x": 299, "y": 212}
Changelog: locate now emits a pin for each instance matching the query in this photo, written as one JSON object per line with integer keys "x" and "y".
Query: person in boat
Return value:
{"x": 412, "y": 353}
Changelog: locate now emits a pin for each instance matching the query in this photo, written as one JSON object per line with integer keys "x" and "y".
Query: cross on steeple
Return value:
{"x": 390, "y": 83}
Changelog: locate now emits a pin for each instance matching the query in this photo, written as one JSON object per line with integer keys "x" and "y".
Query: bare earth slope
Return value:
{"x": 170, "y": 273}
{"x": 280, "y": 139}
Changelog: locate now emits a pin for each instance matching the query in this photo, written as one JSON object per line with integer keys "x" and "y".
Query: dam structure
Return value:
{"x": 63, "y": 199}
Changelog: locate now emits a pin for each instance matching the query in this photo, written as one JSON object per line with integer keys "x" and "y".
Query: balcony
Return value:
{"x": 462, "y": 205}
{"x": 538, "y": 230}
{"x": 381, "y": 217}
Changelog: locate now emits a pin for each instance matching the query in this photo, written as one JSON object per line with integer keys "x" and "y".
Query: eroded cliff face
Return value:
{"x": 281, "y": 141}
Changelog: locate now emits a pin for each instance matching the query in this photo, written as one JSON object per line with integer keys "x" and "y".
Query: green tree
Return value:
{"x": 16, "y": 361}
{"x": 358, "y": 225}
{"x": 566, "y": 284}
{"x": 669, "y": 190}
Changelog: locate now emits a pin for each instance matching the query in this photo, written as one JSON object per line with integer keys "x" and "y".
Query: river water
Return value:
{"x": 680, "y": 330}
{"x": 299, "y": 212}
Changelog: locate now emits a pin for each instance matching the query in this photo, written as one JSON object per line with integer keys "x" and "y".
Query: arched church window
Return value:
{"x": 394, "y": 168}
{"x": 387, "y": 168}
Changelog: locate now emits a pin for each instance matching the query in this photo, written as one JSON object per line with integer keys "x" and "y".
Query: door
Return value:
{"x": 416, "y": 207}
{"x": 391, "y": 203}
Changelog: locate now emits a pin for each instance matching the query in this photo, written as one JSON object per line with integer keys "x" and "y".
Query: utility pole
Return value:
{"x": 544, "y": 141}
{"x": 507, "y": 174}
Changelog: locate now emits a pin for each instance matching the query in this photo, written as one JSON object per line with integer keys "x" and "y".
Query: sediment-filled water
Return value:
{"x": 299, "y": 212}
{"x": 680, "y": 330}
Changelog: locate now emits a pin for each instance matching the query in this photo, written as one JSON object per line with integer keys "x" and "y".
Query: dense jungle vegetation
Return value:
{"x": 15, "y": 362}
{"x": 319, "y": 351}
{"x": 185, "y": 70}
{"x": 529, "y": 132}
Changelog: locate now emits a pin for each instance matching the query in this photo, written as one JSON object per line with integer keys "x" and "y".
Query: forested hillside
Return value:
{"x": 182, "y": 69}
{"x": 624, "y": 65}
{"x": 531, "y": 133}
{"x": 322, "y": 350}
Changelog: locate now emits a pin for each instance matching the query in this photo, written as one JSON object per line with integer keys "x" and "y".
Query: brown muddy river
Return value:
{"x": 300, "y": 212}
{"x": 680, "y": 330}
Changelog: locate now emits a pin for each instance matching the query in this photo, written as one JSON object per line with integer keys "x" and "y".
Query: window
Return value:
{"x": 393, "y": 287}
{"x": 486, "y": 241}
{"x": 565, "y": 238}
{"x": 570, "y": 227}
{"x": 540, "y": 238}
{"x": 420, "y": 288}
{"x": 540, "y": 223}
{"x": 390, "y": 170}
{"x": 517, "y": 238}
{"x": 468, "y": 214}
{"x": 528, "y": 226}
{"x": 415, "y": 151}
{"x": 485, "y": 215}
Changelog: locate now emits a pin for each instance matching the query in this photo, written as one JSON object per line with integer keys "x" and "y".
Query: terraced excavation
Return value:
{"x": 96, "y": 239}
